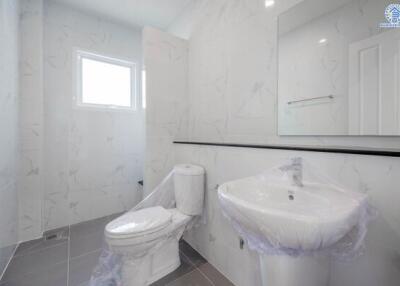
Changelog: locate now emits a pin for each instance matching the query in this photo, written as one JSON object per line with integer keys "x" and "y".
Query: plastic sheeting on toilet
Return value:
{"x": 108, "y": 272}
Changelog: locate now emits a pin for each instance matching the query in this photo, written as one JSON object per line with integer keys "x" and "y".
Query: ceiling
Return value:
{"x": 139, "y": 13}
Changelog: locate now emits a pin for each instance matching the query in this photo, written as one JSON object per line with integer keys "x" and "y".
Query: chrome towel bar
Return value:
{"x": 309, "y": 99}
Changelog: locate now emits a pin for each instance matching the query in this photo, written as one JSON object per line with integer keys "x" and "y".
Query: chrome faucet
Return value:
{"x": 295, "y": 170}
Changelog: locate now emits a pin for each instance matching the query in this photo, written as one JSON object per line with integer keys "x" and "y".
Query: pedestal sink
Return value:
{"x": 295, "y": 218}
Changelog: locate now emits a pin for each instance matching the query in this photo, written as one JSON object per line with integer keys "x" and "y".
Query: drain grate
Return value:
{"x": 55, "y": 236}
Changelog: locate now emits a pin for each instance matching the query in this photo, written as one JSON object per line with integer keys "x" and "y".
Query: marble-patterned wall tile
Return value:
{"x": 30, "y": 183}
{"x": 375, "y": 176}
{"x": 232, "y": 90}
{"x": 232, "y": 97}
{"x": 9, "y": 95}
{"x": 165, "y": 60}
{"x": 87, "y": 151}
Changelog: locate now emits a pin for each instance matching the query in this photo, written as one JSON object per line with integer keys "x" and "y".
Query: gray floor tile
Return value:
{"x": 41, "y": 243}
{"x": 183, "y": 269}
{"x": 87, "y": 237}
{"x": 38, "y": 261}
{"x": 44, "y": 263}
{"x": 194, "y": 278}
{"x": 193, "y": 256}
{"x": 6, "y": 252}
{"x": 81, "y": 268}
{"x": 214, "y": 275}
{"x": 88, "y": 227}
{"x": 56, "y": 275}
{"x": 86, "y": 244}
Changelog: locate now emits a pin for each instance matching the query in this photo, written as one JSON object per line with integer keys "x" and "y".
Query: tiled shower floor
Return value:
{"x": 68, "y": 260}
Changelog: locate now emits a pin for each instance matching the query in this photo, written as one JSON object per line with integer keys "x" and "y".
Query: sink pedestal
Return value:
{"x": 284, "y": 270}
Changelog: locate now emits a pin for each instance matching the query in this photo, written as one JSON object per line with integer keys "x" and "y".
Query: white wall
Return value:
{"x": 30, "y": 180}
{"x": 233, "y": 75}
{"x": 92, "y": 159}
{"x": 375, "y": 176}
{"x": 233, "y": 98}
{"x": 9, "y": 10}
{"x": 165, "y": 60}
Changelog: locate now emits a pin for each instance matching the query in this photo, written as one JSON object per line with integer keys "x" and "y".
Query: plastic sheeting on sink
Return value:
{"x": 280, "y": 212}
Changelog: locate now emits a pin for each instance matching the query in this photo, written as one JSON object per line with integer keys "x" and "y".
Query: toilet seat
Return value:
{"x": 174, "y": 218}
{"x": 139, "y": 223}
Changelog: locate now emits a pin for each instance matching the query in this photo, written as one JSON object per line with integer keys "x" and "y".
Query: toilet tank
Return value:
{"x": 189, "y": 188}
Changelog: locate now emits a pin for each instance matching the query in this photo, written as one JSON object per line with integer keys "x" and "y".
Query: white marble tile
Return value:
{"x": 166, "y": 62}
{"x": 9, "y": 96}
{"x": 86, "y": 150}
{"x": 232, "y": 97}
{"x": 232, "y": 84}
{"x": 375, "y": 176}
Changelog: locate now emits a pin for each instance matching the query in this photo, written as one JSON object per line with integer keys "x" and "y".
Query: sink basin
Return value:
{"x": 310, "y": 217}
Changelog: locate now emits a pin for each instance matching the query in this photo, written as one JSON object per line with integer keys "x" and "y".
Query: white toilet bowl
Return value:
{"x": 148, "y": 239}
{"x": 148, "y": 242}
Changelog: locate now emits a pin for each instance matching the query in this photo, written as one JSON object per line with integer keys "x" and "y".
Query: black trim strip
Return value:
{"x": 371, "y": 152}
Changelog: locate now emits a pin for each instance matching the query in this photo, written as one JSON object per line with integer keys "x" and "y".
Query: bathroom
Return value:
{"x": 109, "y": 108}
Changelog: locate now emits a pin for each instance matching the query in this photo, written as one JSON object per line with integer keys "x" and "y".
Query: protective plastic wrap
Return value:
{"x": 163, "y": 195}
{"x": 108, "y": 271}
{"x": 295, "y": 210}
{"x": 115, "y": 267}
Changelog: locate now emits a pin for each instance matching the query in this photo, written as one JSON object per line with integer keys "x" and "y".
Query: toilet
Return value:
{"x": 147, "y": 240}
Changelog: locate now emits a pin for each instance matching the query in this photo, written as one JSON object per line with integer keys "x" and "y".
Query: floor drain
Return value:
{"x": 51, "y": 236}
{"x": 54, "y": 236}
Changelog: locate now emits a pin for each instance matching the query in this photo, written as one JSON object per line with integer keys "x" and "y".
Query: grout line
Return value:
{"x": 205, "y": 275}
{"x": 42, "y": 240}
{"x": 44, "y": 248}
{"x": 177, "y": 278}
{"x": 86, "y": 253}
{"x": 191, "y": 263}
{"x": 9, "y": 261}
{"x": 33, "y": 272}
{"x": 68, "y": 252}
{"x": 197, "y": 268}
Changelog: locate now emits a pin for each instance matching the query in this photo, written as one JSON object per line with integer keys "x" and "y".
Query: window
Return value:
{"x": 105, "y": 82}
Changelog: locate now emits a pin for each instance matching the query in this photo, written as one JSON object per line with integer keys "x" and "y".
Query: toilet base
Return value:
{"x": 146, "y": 270}
{"x": 284, "y": 270}
{"x": 165, "y": 261}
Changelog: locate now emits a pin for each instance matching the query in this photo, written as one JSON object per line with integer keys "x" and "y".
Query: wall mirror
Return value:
{"x": 339, "y": 68}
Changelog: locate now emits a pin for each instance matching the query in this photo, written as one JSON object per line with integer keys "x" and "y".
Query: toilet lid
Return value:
{"x": 140, "y": 222}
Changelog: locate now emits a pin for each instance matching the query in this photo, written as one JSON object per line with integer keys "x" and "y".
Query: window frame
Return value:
{"x": 78, "y": 97}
